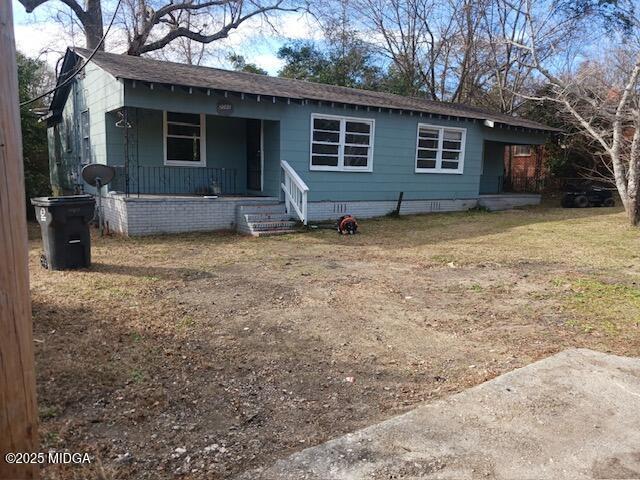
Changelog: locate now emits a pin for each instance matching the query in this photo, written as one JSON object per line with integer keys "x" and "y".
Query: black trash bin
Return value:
{"x": 64, "y": 222}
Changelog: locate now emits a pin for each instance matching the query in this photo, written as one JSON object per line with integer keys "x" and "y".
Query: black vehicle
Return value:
{"x": 587, "y": 195}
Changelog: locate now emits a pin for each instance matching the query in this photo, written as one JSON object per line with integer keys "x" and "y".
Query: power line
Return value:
{"x": 84, "y": 64}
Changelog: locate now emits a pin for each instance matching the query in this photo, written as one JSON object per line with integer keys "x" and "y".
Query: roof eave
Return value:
{"x": 61, "y": 93}
{"x": 367, "y": 106}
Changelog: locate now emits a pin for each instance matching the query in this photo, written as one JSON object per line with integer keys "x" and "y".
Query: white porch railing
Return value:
{"x": 295, "y": 192}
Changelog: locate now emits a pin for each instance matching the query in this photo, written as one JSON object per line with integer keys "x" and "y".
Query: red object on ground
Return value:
{"x": 347, "y": 225}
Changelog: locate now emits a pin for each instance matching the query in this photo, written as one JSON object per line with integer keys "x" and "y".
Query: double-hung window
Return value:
{"x": 341, "y": 143}
{"x": 440, "y": 149}
{"x": 184, "y": 139}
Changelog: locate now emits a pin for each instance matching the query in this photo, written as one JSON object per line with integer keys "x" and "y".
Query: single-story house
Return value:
{"x": 198, "y": 148}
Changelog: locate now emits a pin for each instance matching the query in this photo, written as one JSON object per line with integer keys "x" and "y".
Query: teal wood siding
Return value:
{"x": 225, "y": 139}
{"x": 393, "y": 156}
{"x": 96, "y": 92}
{"x": 64, "y": 158}
{"x": 493, "y": 171}
{"x": 102, "y": 93}
{"x": 225, "y": 146}
{"x": 271, "y": 132}
{"x": 393, "y": 160}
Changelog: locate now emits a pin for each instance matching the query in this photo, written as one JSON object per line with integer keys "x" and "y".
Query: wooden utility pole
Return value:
{"x": 18, "y": 408}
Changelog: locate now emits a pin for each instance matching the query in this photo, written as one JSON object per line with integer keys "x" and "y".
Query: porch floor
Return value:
{"x": 507, "y": 201}
{"x": 209, "y": 198}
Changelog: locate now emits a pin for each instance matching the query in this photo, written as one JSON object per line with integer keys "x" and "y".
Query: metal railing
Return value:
{"x": 175, "y": 181}
{"x": 295, "y": 192}
{"x": 524, "y": 183}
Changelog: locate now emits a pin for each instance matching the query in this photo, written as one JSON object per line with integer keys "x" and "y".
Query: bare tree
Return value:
{"x": 182, "y": 48}
{"x": 413, "y": 38}
{"x": 601, "y": 95}
{"x": 90, "y": 17}
{"x": 201, "y": 21}
{"x": 503, "y": 27}
{"x": 469, "y": 70}
{"x": 433, "y": 45}
{"x": 153, "y": 24}
{"x": 187, "y": 50}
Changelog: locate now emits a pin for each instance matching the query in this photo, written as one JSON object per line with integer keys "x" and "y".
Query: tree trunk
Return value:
{"x": 633, "y": 209}
{"x": 93, "y": 28}
{"x": 18, "y": 409}
{"x": 134, "y": 47}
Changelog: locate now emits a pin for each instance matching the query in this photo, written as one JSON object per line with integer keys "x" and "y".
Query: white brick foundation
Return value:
{"x": 153, "y": 215}
{"x": 333, "y": 210}
{"x": 115, "y": 213}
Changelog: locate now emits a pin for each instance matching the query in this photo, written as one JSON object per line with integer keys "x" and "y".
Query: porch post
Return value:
{"x": 125, "y": 116}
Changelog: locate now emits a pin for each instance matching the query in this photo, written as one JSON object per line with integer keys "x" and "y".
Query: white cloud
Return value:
{"x": 298, "y": 26}
{"x": 285, "y": 26}
{"x": 269, "y": 61}
{"x": 47, "y": 41}
{"x": 259, "y": 41}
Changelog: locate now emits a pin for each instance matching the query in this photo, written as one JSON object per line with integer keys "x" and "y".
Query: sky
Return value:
{"x": 37, "y": 35}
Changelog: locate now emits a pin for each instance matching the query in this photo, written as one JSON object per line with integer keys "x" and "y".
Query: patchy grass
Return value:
{"x": 46, "y": 412}
{"x": 237, "y": 348}
{"x": 612, "y": 308}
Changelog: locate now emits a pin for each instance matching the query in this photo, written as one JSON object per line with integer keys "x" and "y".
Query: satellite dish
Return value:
{"x": 97, "y": 174}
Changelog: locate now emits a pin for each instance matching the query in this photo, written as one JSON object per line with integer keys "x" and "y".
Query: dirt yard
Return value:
{"x": 203, "y": 356}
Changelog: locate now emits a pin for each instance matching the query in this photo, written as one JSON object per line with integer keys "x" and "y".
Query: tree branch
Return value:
{"x": 31, "y": 5}
{"x": 140, "y": 44}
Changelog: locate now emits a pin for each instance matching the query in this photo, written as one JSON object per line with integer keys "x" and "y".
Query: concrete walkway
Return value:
{"x": 573, "y": 415}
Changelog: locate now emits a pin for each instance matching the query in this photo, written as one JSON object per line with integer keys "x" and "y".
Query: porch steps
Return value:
{"x": 266, "y": 220}
{"x": 267, "y": 217}
{"x": 268, "y": 226}
{"x": 271, "y": 233}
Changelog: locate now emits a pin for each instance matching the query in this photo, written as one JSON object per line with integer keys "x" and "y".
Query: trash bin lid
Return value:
{"x": 66, "y": 200}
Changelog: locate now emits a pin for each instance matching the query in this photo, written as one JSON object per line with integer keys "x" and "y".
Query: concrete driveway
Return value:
{"x": 573, "y": 415}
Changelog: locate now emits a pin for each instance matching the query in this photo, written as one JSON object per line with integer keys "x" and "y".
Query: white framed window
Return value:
{"x": 522, "y": 150}
{"x": 440, "y": 149}
{"x": 184, "y": 139}
{"x": 343, "y": 144}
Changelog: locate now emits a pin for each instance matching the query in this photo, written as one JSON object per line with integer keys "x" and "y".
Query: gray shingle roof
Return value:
{"x": 170, "y": 73}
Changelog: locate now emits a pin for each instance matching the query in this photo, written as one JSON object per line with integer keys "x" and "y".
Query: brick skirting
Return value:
{"x": 156, "y": 215}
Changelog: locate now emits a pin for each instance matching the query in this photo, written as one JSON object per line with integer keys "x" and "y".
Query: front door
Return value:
{"x": 254, "y": 155}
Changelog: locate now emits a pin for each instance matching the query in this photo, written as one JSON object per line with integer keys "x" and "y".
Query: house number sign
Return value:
{"x": 224, "y": 108}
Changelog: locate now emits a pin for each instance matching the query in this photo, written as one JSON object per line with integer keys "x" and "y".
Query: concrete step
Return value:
{"x": 267, "y": 217}
{"x": 270, "y": 233}
{"x": 266, "y": 220}
{"x": 502, "y": 205}
{"x": 266, "y": 225}
{"x": 496, "y": 205}
{"x": 507, "y": 202}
